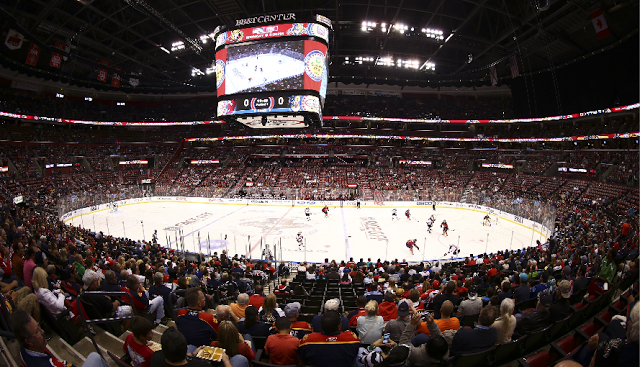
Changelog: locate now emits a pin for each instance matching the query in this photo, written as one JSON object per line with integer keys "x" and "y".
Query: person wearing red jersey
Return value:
{"x": 330, "y": 347}
{"x": 136, "y": 343}
{"x": 190, "y": 320}
{"x": 298, "y": 328}
{"x": 445, "y": 228}
{"x": 411, "y": 244}
{"x": 140, "y": 298}
{"x": 407, "y": 214}
{"x": 282, "y": 348}
{"x": 325, "y": 210}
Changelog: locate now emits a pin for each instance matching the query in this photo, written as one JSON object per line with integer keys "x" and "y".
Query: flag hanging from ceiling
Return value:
{"x": 115, "y": 80}
{"x": 32, "y": 56}
{"x": 494, "y": 75}
{"x": 102, "y": 75}
{"x": 62, "y": 47}
{"x": 56, "y": 60}
{"x": 14, "y": 39}
{"x": 513, "y": 63}
{"x": 599, "y": 23}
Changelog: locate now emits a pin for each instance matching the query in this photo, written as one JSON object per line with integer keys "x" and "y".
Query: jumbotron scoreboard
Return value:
{"x": 274, "y": 74}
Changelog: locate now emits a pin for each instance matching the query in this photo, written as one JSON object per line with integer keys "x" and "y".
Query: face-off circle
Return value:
{"x": 314, "y": 65}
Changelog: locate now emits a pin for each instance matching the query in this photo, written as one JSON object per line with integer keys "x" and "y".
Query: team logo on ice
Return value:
{"x": 314, "y": 65}
{"x": 220, "y": 66}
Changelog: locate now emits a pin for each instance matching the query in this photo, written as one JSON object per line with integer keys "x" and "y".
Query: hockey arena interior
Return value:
{"x": 350, "y": 183}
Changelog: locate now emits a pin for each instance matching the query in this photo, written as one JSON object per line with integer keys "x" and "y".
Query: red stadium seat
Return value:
{"x": 540, "y": 359}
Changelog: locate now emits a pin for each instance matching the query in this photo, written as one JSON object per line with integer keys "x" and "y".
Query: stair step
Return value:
{"x": 64, "y": 351}
{"x": 109, "y": 342}
{"x": 85, "y": 347}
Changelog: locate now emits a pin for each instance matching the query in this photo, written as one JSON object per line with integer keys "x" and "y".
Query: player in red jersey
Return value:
{"x": 411, "y": 244}
{"x": 445, "y": 228}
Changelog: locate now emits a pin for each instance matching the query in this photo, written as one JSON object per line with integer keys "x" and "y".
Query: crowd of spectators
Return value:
{"x": 47, "y": 262}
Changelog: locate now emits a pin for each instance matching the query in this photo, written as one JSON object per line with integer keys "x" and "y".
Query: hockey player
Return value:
{"x": 154, "y": 238}
{"x": 411, "y": 244}
{"x": 453, "y": 250}
{"x": 486, "y": 221}
{"x": 407, "y": 214}
{"x": 394, "y": 214}
{"x": 307, "y": 213}
{"x": 429, "y": 224}
{"x": 299, "y": 238}
{"x": 445, "y": 228}
{"x": 325, "y": 210}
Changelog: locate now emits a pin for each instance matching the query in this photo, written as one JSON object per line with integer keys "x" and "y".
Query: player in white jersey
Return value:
{"x": 453, "y": 250}
{"x": 154, "y": 237}
{"x": 299, "y": 238}
{"x": 429, "y": 224}
{"x": 307, "y": 213}
{"x": 394, "y": 214}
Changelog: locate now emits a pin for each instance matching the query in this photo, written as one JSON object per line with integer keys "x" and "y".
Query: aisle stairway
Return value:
{"x": 78, "y": 353}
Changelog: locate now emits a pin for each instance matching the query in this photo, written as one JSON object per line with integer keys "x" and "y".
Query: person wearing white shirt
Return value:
{"x": 53, "y": 301}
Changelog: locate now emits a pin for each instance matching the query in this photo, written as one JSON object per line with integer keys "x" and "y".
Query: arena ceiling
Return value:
{"x": 476, "y": 34}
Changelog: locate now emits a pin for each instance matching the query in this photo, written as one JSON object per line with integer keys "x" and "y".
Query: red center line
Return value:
{"x": 269, "y": 231}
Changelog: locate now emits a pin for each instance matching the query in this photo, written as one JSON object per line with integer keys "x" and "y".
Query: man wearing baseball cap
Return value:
{"x": 537, "y": 319}
{"x": 298, "y": 328}
{"x": 330, "y": 305}
{"x": 396, "y": 327}
{"x": 562, "y": 307}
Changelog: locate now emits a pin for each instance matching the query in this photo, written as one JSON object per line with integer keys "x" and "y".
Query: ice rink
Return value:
{"x": 250, "y": 72}
{"x": 369, "y": 232}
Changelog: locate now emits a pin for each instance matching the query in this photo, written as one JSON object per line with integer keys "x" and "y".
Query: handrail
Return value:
{"x": 86, "y": 322}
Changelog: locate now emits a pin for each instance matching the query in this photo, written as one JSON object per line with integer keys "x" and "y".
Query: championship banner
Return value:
{"x": 32, "y": 56}
{"x": 102, "y": 75}
{"x": 14, "y": 39}
{"x": 56, "y": 60}
{"x": 115, "y": 80}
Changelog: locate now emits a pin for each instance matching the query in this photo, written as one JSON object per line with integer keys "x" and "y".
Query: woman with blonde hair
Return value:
{"x": 392, "y": 286}
{"x": 270, "y": 311}
{"x": 232, "y": 341}
{"x": 506, "y": 323}
{"x": 370, "y": 327}
{"x": 53, "y": 301}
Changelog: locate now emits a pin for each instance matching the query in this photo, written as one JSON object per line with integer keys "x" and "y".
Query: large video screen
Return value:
{"x": 274, "y": 103}
{"x": 273, "y": 31}
{"x": 272, "y": 66}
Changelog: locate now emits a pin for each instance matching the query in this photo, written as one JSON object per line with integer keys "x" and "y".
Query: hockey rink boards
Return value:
{"x": 246, "y": 226}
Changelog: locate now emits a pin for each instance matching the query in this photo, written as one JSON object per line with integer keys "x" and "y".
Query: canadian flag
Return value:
{"x": 599, "y": 23}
